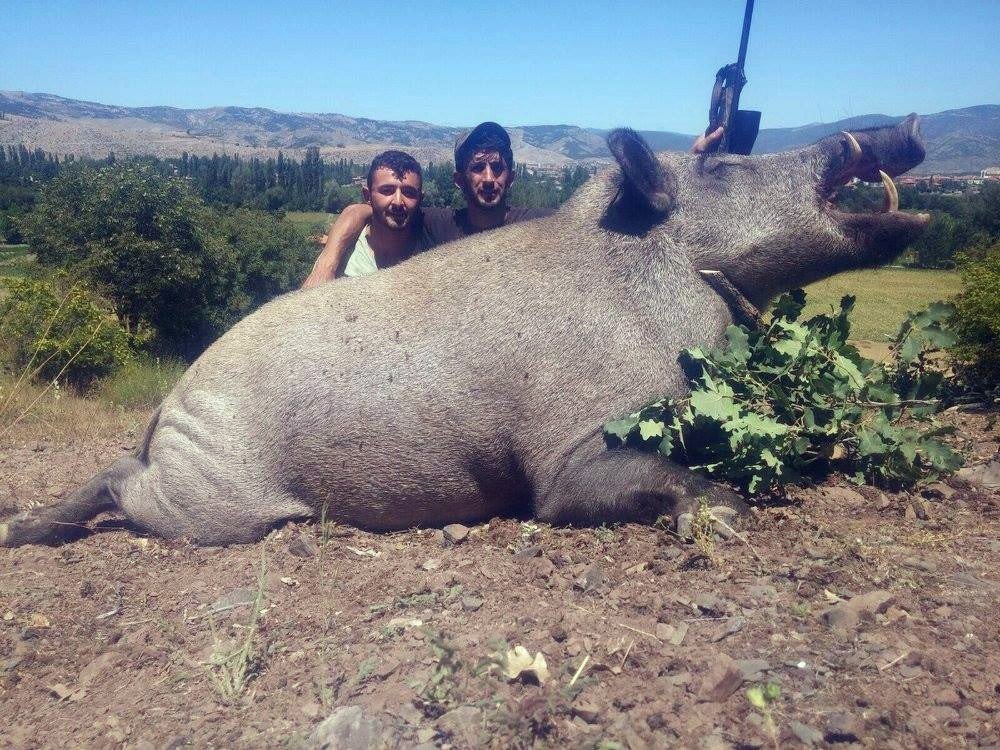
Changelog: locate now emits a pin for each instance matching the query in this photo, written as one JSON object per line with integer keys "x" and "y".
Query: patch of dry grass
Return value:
{"x": 41, "y": 411}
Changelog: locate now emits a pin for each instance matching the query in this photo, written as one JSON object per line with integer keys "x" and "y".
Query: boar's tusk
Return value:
{"x": 855, "y": 146}
{"x": 891, "y": 202}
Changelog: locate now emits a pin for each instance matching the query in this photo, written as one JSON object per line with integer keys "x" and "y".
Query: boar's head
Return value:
{"x": 769, "y": 222}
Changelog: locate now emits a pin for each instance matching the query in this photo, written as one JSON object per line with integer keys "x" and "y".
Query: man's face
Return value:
{"x": 485, "y": 179}
{"x": 394, "y": 198}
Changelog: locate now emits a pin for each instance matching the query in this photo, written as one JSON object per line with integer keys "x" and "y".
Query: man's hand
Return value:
{"x": 341, "y": 237}
{"x": 704, "y": 142}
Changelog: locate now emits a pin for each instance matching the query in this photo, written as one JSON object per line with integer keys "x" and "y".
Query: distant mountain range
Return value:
{"x": 958, "y": 140}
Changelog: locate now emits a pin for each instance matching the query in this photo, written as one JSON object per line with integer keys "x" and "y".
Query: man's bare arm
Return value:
{"x": 341, "y": 237}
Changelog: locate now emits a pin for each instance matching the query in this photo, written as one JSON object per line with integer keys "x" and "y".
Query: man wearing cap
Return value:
{"x": 484, "y": 172}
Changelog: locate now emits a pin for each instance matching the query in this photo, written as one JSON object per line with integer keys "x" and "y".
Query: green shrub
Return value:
{"x": 165, "y": 259}
{"x": 51, "y": 330}
{"x": 141, "y": 383}
{"x": 977, "y": 317}
{"x": 796, "y": 399}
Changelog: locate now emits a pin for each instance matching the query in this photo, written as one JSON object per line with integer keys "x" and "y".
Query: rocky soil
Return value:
{"x": 873, "y": 615}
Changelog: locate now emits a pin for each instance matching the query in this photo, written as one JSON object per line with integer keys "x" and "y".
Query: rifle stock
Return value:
{"x": 740, "y": 126}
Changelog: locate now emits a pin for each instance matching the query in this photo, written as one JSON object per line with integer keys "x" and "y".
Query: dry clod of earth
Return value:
{"x": 723, "y": 679}
{"x": 455, "y": 533}
{"x": 847, "y": 614}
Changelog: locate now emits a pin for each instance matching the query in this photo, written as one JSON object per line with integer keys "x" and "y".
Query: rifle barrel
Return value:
{"x": 747, "y": 15}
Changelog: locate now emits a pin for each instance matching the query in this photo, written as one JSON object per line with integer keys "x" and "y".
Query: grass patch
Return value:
{"x": 17, "y": 262}
{"x": 233, "y": 665}
{"x": 885, "y": 296}
{"x": 38, "y": 411}
{"x": 141, "y": 384}
{"x": 306, "y": 221}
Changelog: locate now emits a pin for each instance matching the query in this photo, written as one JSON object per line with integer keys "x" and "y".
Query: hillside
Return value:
{"x": 960, "y": 140}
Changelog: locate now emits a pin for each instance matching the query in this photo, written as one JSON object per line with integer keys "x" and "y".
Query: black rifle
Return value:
{"x": 741, "y": 125}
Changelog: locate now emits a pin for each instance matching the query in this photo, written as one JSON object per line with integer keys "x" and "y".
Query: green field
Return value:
{"x": 884, "y": 297}
{"x": 304, "y": 221}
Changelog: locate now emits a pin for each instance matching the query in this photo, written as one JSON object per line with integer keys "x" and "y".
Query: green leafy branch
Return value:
{"x": 796, "y": 399}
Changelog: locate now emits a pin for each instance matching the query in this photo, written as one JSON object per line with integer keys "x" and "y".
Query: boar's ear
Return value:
{"x": 646, "y": 180}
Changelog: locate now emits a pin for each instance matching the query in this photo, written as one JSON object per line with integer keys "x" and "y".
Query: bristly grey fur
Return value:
{"x": 473, "y": 380}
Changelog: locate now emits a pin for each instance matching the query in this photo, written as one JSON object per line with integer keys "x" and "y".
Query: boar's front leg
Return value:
{"x": 597, "y": 485}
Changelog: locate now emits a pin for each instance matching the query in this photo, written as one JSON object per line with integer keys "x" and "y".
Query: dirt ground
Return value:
{"x": 875, "y": 613}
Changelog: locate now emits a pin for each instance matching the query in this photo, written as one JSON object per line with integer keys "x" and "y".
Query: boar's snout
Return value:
{"x": 864, "y": 153}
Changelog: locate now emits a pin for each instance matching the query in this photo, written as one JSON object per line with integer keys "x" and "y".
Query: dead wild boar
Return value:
{"x": 474, "y": 380}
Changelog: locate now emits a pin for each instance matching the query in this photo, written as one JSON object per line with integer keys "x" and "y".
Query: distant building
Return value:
{"x": 990, "y": 173}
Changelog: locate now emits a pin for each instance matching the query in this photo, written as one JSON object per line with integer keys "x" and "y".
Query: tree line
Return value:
{"x": 273, "y": 184}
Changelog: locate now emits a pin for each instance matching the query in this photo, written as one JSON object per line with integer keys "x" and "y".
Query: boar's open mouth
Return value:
{"x": 873, "y": 155}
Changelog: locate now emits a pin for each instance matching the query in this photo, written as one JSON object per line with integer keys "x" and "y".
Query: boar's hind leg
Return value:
{"x": 627, "y": 485}
{"x": 51, "y": 524}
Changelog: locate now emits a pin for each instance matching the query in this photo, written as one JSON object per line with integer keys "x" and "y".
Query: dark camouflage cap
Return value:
{"x": 484, "y": 135}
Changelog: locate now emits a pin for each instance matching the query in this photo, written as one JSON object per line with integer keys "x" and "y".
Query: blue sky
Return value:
{"x": 645, "y": 64}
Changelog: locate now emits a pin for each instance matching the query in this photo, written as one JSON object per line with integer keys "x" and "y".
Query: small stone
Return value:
{"x": 558, "y": 633}
{"x": 709, "y": 604}
{"x": 722, "y": 680}
{"x": 670, "y": 552}
{"x": 947, "y": 696}
{"x": 543, "y": 567}
{"x": 806, "y": 734}
{"x": 96, "y": 667}
{"x": 303, "y": 545}
{"x": 663, "y": 631}
{"x": 424, "y": 735}
{"x": 471, "y": 603}
{"x": 533, "y": 550}
{"x": 438, "y": 537}
{"x": 909, "y": 513}
{"x": 590, "y": 579}
{"x": 985, "y": 474}
{"x": 431, "y": 564}
{"x": 243, "y": 597}
{"x": 848, "y": 614}
{"x": 347, "y": 728}
{"x": 938, "y": 491}
{"x": 730, "y": 627}
{"x": 455, "y": 533}
{"x": 680, "y": 631}
{"x": 920, "y": 563}
{"x": 752, "y": 668}
{"x": 589, "y": 711}
{"x": 843, "y": 727}
{"x": 656, "y": 721}
{"x": 920, "y": 508}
